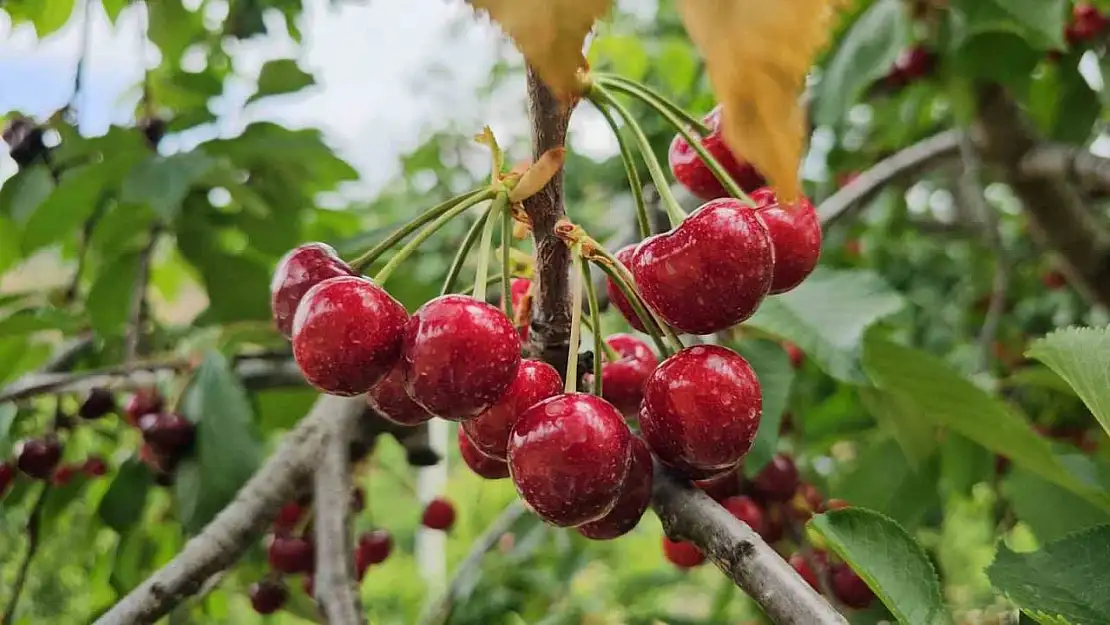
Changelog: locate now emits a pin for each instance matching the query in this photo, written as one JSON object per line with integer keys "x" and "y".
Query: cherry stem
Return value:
{"x": 611, "y": 354}
{"x": 667, "y": 110}
{"x": 652, "y": 98}
{"x": 365, "y": 260}
{"x": 460, "y": 256}
{"x": 507, "y": 259}
{"x": 624, "y": 280}
{"x": 629, "y": 293}
{"x": 642, "y": 219}
{"x": 570, "y": 385}
{"x": 600, "y": 96}
{"x": 500, "y": 204}
{"x": 595, "y": 320}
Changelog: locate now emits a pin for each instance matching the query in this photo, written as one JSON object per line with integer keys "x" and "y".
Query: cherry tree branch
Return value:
{"x": 336, "y": 590}
{"x": 137, "y": 311}
{"x": 1074, "y": 164}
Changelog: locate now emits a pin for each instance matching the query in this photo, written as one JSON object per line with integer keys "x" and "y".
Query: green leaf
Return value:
{"x": 163, "y": 181}
{"x": 915, "y": 433}
{"x": 10, "y": 254}
{"x": 8, "y": 413}
{"x": 945, "y": 396}
{"x": 24, "y": 192}
{"x": 1067, "y": 579}
{"x": 882, "y": 479}
{"x": 1082, "y": 357}
{"x": 46, "y": 15}
{"x": 1050, "y": 511}
{"x": 113, "y": 8}
{"x": 772, "y": 367}
{"x": 864, "y": 54}
{"x": 1040, "y": 22}
{"x": 622, "y": 54}
{"x": 38, "y": 319}
{"x": 279, "y": 77}
{"x": 109, "y": 300}
{"x": 827, "y": 315}
{"x": 61, "y": 214}
{"x": 963, "y": 464}
{"x": 227, "y": 451}
{"x": 999, "y": 56}
{"x": 300, "y": 155}
{"x": 123, "y": 504}
{"x": 894, "y": 566}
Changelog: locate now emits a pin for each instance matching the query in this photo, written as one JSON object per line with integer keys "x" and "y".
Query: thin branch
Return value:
{"x": 34, "y": 524}
{"x": 1074, "y": 164}
{"x": 137, "y": 314}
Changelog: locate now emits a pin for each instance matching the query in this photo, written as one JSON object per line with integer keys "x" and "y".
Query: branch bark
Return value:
{"x": 1074, "y": 164}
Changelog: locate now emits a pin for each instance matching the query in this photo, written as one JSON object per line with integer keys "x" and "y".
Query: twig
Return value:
{"x": 34, "y": 523}
{"x": 138, "y": 308}
{"x": 336, "y": 591}
{"x": 1076, "y": 165}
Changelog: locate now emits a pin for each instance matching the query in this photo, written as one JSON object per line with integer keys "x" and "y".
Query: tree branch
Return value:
{"x": 137, "y": 311}
{"x": 336, "y": 591}
{"x": 34, "y": 524}
{"x": 1076, "y": 165}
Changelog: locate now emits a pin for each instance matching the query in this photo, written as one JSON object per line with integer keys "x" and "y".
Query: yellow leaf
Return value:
{"x": 758, "y": 53}
{"x": 549, "y": 33}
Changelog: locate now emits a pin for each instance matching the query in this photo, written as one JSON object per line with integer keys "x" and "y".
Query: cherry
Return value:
{"x": 375, "y": 546}
{"x": 37, "y": 458}
{"x": 167, "y": 432}
{"x": 797, "y": 357}
{"x": 288, "y": 554}
{"x": 287, "y": 518}
{"x": 747, "y": 511}
{"x": 798, "y": 562}
{"x": 144, "y": 401}
{"x": 836, "y": 504}
{"x": 7, "y": 476}
{"x": 481, "y": 464}
{"x": 1087, "y": 22}
{"x": 390, "y": 399}
{"x": 709, "y": 273}
{"x": 1054, "y": 280}
{"x": 100, "y": 402}
{"x": 267, "y": 596}
{"x": 616, "y": 296}
{"x": 774, "y": 524}
{"x": 298, "y": 271}
{"x": 806, "y": 502}
{"x": 64, "y": 474}
{"x": 347, "y": 335}
{"x": 795, "y": 234}
{"x": 701, "y": 408}
{"x": 692, "y": 172}
{"x": 518, "y": 290}
{"x": 569, "y": 456}
{"x": 912, "y": 64}
{"x": 682, "y": 553}
{"x": 631, "y": 503}
{"x": 154, "y": 459}
{"x": 728, "y": 484}
{"x": 439, "y": 514}
{"x": 460, "y": 356}
{"x": 622, "y": 381}
{"x": 490, "y": 430}
{"x": 778, "y": 481}
{"x": 850, "y": 588}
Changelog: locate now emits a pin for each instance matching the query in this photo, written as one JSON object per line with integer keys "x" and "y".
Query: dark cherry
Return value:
{"x": 518, "y": 290}
{"x": 778, "y": 481}
{"x": 390, "y": 398}
{"x": 490, "y": 430}
{"x": 298, "y": 271}
{"x": 748, "y": 511}
{"x": 1087, "y": 22}
{"x": 481, "y": 464}
{"x": 728, "y": 484}
{"x": 774, "y": 523}
{"x": 622, "y": 382}
{"x": 290, "y": 554}
{"x": 633, "y": 500}
{"x": 347, "y": 335}
{"x": 807, "y": 502}
{"x": 287, "y": 518}
{"x": 795, "y": 235}
{"x": 7, "y": 476}
{"x": 267, "y": 596}
{"x": 167, "y": 432}
{"x": 709, "y": 273}
{"x": 702, "y": 408}
{"x": 439, "y": 514}
{"x": 682, "y": 553}
{"x": 375, "y": 546}
{"x": 802, "y": 568}
{"x": 64, "y": 474}
{"x": 460, "y": 355}
{"x": 692, "y": 172}
{"x": 914, "y": 63}
{"x": 569, "y": 456}
{"x": 616, "y": 296}
{"x": 1054, "y": 280}
{"x": 38, "y": 458}
{"x": 850, "y": 588}
{"x": 99, "y": 403}
{"x": 157, "y": 461}
{"x": 144, "y": 401}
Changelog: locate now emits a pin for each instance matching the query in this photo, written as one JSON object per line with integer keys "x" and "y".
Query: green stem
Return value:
{"x": 460, "y": 256}
{"x": 429, "y": 230}
{"x": 570, "y": 385}
{"x": 365, "y": 260}
{"x": 494, "y": 279}
{"x": 501, "y": 203}
{"x": 622, "y": 277}
{"x": 506, "y": 260}
{"x": 595, "y": 320}
{"x": 680, "y": 125}
{"x": 638, "y": 307}
{"x": 600, "y": 96}
{"x": 611, "y": 354}
{"x": 654, "y": 99}
{"x": 642, "y": 219}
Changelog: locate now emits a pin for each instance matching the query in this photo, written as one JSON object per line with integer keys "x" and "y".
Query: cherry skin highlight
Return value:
{"x": 481, "y": 464}
{"x": 298, "y": 271}
{"x": 796, "y": 236}
{"x": 616, "y": 295}
{"x": 390, "y": 398}
{"x": 347, "y": 335}
{"x": 692, "y": 172}
{"x": 778, "y": 481}
{"x": 710, "y": 272}
{"x": 490, "y": 430}
{"x": 569, "y": 456}
{"x": 439, "y": 514}
{"x": 459, "y": 356}
{"x": 682, "y": 553}
{"x": 144, "y": 401}
{"x": 632, "y": 502}
{"x": 37, "y": 458}
{"x": 702, "y": 408}
{"x": 622, "y": 382}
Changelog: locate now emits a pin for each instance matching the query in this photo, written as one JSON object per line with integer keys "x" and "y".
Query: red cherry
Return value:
{"x": 633, "y": 500}
{"x": 390, "y": 398}
{"x": 347, "y": 335}
{"x": 682, "y": 553}
{"x": 375, "y": 546}
{"x": 460, "y": 356}
{"x": 709, "y": 273}
{"x": 728, "y": 484}
{"x": 288, "y": 554}
{"x": 747, "y": 510}
{"x": 100, "y": 402}
{"x": 518, "y": 290}
{"x": 155, "y": 460}
{"x": 774, "y": 524}
{"x": 569, "y": 456}
{"x": 490, "y": 430}
{"x": 94, "y": 466}
{"x": 481, "y": 464}
{"x": 144, "y": 401}
{"x": 850, "y": 588}
{"x": 267, "y": 596}
{"x": 287, "y": 518}
{"x": 797, "y": 357}
{"x": 439, "y": 514}
{"x": 701, "y": 408}
{"x": 63, "y": 475}
{"x": 804, "y": 571}
{"x": 836, "y": 504}
{"x": 298, "y": 271}
{"x": 914, "y": 63}
{"x": 1087, "y": 22}
{"x": 806, "y": 502}
{"x": 692, "y": 172}
{"x": 7, "y": 476}
{"x": 778, "y": 481}
{"x": 616, "y": 296}
{"x": 622, "y": 382}
{"x": 37, "y": 458}
{"x": 167, "y": 432}
{"x": 1054, "y": 280}
{"x": 796, "y": 236}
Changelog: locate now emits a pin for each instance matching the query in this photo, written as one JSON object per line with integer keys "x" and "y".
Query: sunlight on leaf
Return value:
{"x": 758, "y": 54}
